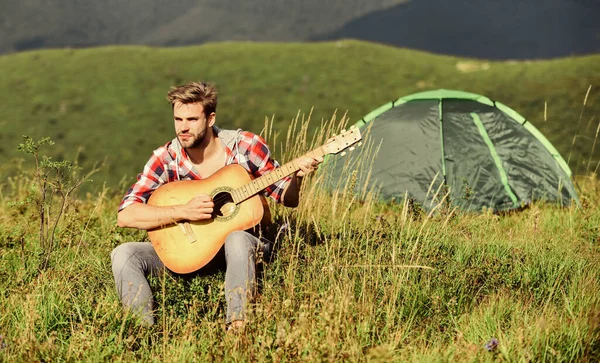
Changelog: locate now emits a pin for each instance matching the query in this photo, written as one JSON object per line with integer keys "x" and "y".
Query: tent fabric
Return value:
{"x": 480, "y": 152}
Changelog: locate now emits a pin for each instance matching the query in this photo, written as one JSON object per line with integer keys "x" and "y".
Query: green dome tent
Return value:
{"x": 479, "y": 152}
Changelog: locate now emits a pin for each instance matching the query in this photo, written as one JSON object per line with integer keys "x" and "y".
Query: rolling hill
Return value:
{"x": 109, "y": 102}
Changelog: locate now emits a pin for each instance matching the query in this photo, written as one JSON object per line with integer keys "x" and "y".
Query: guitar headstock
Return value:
{"x": 342, "y": 141}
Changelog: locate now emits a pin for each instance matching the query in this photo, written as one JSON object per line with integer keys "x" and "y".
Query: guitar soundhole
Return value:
{"x": 224, "y": 205}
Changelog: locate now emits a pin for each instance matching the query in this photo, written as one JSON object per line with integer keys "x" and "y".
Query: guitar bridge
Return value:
{"x": 186, "y": 228}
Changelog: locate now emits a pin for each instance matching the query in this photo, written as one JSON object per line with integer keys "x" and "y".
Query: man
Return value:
{"x": 198, "y": 151}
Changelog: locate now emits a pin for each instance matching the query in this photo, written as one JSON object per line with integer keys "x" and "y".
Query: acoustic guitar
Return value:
{"x": 187, "y": 246}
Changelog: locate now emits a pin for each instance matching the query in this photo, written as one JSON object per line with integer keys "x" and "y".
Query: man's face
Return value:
{"x": 191, "y": 123}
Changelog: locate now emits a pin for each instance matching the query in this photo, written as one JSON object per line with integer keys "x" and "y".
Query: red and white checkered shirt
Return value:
{"x": 170, "y": 163}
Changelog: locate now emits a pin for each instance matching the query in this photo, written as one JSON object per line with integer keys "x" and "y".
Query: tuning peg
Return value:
{"x": 352, "y": 148}
{"x": 343, "y": 153}
{"x": 334, "y": 135}
{"x": 360, "y": 144}
{"x": 343, "y": 130}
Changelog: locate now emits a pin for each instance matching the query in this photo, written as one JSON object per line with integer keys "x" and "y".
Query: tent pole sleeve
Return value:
{"x": 496, "y": 158}
{"x": 442, "y": 142}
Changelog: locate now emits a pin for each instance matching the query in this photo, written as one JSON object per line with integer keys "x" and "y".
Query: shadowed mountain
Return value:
{"x": 509, "y": 29}
{"x": 32, "y": 24}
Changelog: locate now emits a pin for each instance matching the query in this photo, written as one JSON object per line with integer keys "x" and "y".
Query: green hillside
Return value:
{"x": 110, "y": 101}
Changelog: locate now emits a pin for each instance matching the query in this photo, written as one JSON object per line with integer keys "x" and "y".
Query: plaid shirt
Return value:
{"x": 171, "y": 163}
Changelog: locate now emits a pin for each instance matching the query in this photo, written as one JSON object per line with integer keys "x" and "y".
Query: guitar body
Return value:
{"x": 188, "y": 246}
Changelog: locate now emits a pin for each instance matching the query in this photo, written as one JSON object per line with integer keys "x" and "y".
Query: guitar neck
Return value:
{"x": 257, "y": 185}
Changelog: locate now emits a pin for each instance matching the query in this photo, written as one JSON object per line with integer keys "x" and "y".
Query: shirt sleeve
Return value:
{"x": 260, "y": 156}
{"x": 153, "y": 176}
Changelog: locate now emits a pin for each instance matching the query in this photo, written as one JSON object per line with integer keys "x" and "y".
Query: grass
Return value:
{"x": 352, "y": 280}
{"x": 109, "y": 103}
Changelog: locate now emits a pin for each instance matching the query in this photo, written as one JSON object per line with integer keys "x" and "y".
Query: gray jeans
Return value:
{"x": 133, "y": 262}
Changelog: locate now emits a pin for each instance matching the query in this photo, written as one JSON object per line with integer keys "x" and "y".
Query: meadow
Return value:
{"x": 352, "y": 279}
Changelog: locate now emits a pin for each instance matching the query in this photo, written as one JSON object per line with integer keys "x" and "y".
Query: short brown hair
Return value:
{"x": 195, "y": 92}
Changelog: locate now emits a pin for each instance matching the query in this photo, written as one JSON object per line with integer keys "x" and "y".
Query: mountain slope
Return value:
{"x": 31, "y": 24}
{"x": 491, "y": 30}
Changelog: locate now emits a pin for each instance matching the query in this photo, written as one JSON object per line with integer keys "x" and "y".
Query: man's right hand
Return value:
{"x": 145, "y": 216}
{"x": 198, "y": 208}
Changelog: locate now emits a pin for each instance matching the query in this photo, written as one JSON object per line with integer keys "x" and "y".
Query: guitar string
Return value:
{"x": 223, "y": 198}
{"x": 229, "y": 195}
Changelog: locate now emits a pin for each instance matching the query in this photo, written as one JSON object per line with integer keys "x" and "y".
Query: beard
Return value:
{"x": 194, "y": 141}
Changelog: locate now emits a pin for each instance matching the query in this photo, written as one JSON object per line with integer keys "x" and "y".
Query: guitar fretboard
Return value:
{"x": 255, "y": 186}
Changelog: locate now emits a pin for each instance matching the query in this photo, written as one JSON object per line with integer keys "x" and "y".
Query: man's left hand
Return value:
{"x": 308, "y": 165}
